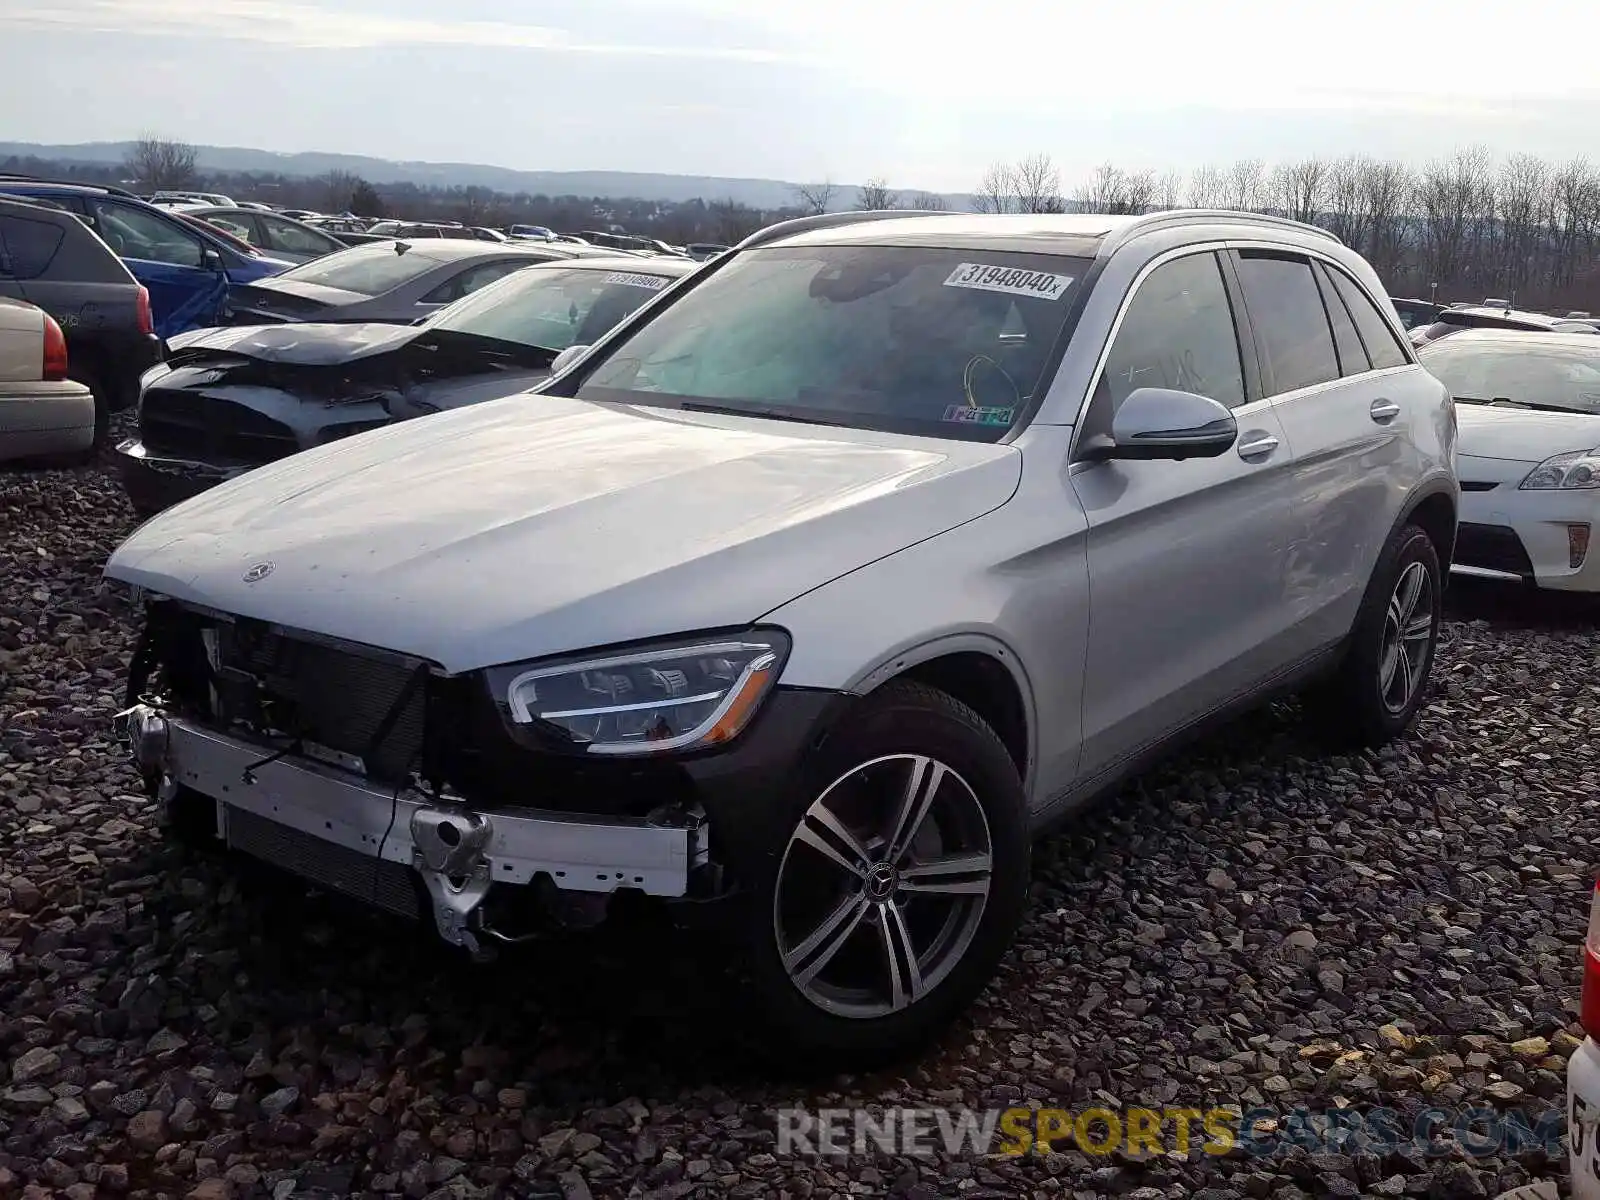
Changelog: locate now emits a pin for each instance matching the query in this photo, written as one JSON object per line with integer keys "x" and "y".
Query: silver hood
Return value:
{"x": 536, "y": 525}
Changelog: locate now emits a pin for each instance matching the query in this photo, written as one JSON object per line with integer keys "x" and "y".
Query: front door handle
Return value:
{"x": 1259, "y": 446}
{"x": 1384, "y": 410}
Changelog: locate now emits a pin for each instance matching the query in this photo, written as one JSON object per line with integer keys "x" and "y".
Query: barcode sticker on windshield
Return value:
{"x": 654, "y": 282}
{"x": 1014, "y": 281}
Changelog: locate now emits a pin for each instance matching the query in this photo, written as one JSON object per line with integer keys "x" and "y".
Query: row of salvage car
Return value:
{"x": 761, "y": 587}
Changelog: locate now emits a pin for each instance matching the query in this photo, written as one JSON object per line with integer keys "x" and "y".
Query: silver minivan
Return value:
{"x": 812, "y": 593}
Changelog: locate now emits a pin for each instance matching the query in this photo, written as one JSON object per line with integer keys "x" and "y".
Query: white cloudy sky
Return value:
{"x": 924, "y": 92}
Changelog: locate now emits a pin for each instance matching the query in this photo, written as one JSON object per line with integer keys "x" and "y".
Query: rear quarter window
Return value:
{"x": 27, "y": 247}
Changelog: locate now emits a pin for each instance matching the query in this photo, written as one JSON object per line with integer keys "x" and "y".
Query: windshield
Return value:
{"x": 949, "y": 343}
{"x": 550, "y": 307}
{"x": 1564, "y": 378}
{"x": 364, "y": 270}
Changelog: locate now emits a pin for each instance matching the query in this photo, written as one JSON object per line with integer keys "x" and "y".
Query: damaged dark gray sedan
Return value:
{"x": 228, "y": 400}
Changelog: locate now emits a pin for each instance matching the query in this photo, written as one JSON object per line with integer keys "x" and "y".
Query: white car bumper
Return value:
{"x": 1583, "y": 1120}
{"x": 45, "y": 417}
{"x": 1507, "y": 533}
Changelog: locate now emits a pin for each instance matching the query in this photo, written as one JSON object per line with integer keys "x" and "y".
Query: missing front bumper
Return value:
{"x": 353, "y": 837}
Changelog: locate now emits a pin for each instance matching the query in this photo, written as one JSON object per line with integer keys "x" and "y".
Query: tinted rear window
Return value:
{"x": 365, "y": 270}
{"x": 27, "y": 247}
{"x": 948, "y": 343}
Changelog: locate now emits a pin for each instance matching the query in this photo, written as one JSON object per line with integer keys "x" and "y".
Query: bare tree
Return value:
{"x": 1346, "y": 216}
{"x": 1386, "y": 192}
{"x": 815, "y": 197}
{"x": 340, "y": 190}
{"x": 928, "y": 202}
{"x": 875, "y": 195}
{"x": 733, "y": 221}
{"x": 364, "y": 200}
{"x": 1113, "y": 190}
{"x": 1038, "y": 184}
{"x": 1575, "y": 218}
{"x": 1247, "y": 184}
{"x": 1206, "y": 188}
{"x": 1525, "y": 203}
{"x": 997, "y": 190}
{"x": 1169, "y": 190}
{"x": 1300, "y": 190}
{"x": 159, "y": 164}
{"x": 1450, "y": 194}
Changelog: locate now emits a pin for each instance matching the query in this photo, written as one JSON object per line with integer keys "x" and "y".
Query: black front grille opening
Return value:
{"x": 197, "y": 426}
{"x": 333, "y": 697}
{"x": 1477, "y": 486}
{"x": 1492, "y": 548}
{"x": 448, "y": 734}
{"x": 383, "y": 884}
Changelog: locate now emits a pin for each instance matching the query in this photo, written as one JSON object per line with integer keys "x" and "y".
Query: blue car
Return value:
{"x": 186, "y": 269}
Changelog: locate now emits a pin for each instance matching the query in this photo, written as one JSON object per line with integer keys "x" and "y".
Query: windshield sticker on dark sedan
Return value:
{"x": 1014, "y": 281}
{"x": 964, "y": 414}
{"x": 654, "y": 282}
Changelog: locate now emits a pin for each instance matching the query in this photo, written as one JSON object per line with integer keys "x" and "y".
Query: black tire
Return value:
{"x": 1351, "y": 708}
{"x": 901, "y": 719}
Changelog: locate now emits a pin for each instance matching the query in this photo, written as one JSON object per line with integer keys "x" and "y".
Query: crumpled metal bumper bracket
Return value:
{"x": 458, "y": 852}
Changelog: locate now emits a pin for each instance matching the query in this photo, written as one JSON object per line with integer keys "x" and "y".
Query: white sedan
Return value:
{"x": 42, "y": 412}
{"x": 1528, "y": 407}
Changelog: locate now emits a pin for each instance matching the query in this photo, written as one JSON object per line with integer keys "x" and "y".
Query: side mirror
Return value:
{"x": 566, "y": 358}
{"x": 1164, "y": 423}
{"x": 211, "y": 259}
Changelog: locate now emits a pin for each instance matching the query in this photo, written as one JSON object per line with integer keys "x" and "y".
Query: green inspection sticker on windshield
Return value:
{"x": 966, "y": 415}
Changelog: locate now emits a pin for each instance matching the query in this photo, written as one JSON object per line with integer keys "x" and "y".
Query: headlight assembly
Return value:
{"x": 687, "y": 696}
{"x": 1574, "y": 469}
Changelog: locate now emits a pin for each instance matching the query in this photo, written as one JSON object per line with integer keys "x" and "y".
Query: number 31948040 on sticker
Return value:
{"x": 1014, "y": 281}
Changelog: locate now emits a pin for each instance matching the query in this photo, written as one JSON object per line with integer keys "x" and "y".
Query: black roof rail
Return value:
{"x": 110, "y": 189}
{"x": 1212, "y": 216}
{"x": 796, "y": 225}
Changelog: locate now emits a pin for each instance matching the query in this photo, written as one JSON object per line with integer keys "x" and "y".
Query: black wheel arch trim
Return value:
{"x": 1433, "y": 486}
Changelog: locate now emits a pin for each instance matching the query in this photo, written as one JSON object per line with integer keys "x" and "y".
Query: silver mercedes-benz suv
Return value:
{"x": 812, "y": 593}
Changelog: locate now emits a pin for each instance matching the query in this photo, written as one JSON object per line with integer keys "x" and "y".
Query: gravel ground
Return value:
{"x": 1255, "y": 924}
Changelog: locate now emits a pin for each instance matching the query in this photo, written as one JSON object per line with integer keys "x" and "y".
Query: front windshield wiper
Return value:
{"x": 803, "y": 416}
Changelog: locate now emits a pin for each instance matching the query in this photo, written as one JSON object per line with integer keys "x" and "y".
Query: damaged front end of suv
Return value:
{"x": 499, "y": 804}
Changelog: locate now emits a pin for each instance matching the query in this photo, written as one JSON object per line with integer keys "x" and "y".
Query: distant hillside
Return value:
{"x": 757, "y": 193}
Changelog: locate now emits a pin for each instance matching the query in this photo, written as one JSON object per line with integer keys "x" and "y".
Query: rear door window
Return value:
{"x": 1290, "y": 323}
{"x": 1383, "y": 348}
{"x": 27, "y": 247}
{"x": 1352, "y": 355}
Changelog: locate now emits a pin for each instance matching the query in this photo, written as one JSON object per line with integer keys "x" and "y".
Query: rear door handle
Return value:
{"x": 1259, "y": 446}
{"x": 1384, "y": 410}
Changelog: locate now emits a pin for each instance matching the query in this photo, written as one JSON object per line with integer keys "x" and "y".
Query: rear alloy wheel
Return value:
{"x": 1382, "y": 681}
{"x": 895, "y": 885}
{"x": 1408, "y": 633}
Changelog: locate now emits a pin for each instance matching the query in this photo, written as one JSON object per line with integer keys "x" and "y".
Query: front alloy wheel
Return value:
{"x": 882, "y": 886}
{"x": 1407, "y": 637}
{"x": 890, "y": 884}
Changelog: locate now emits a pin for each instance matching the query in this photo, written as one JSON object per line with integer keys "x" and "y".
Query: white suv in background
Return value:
{"x": 816, "y": 590}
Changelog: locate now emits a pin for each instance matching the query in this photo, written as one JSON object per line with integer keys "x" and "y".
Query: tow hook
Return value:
{"x": 144, "y": 727}
{"x": 448, "y": 845}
